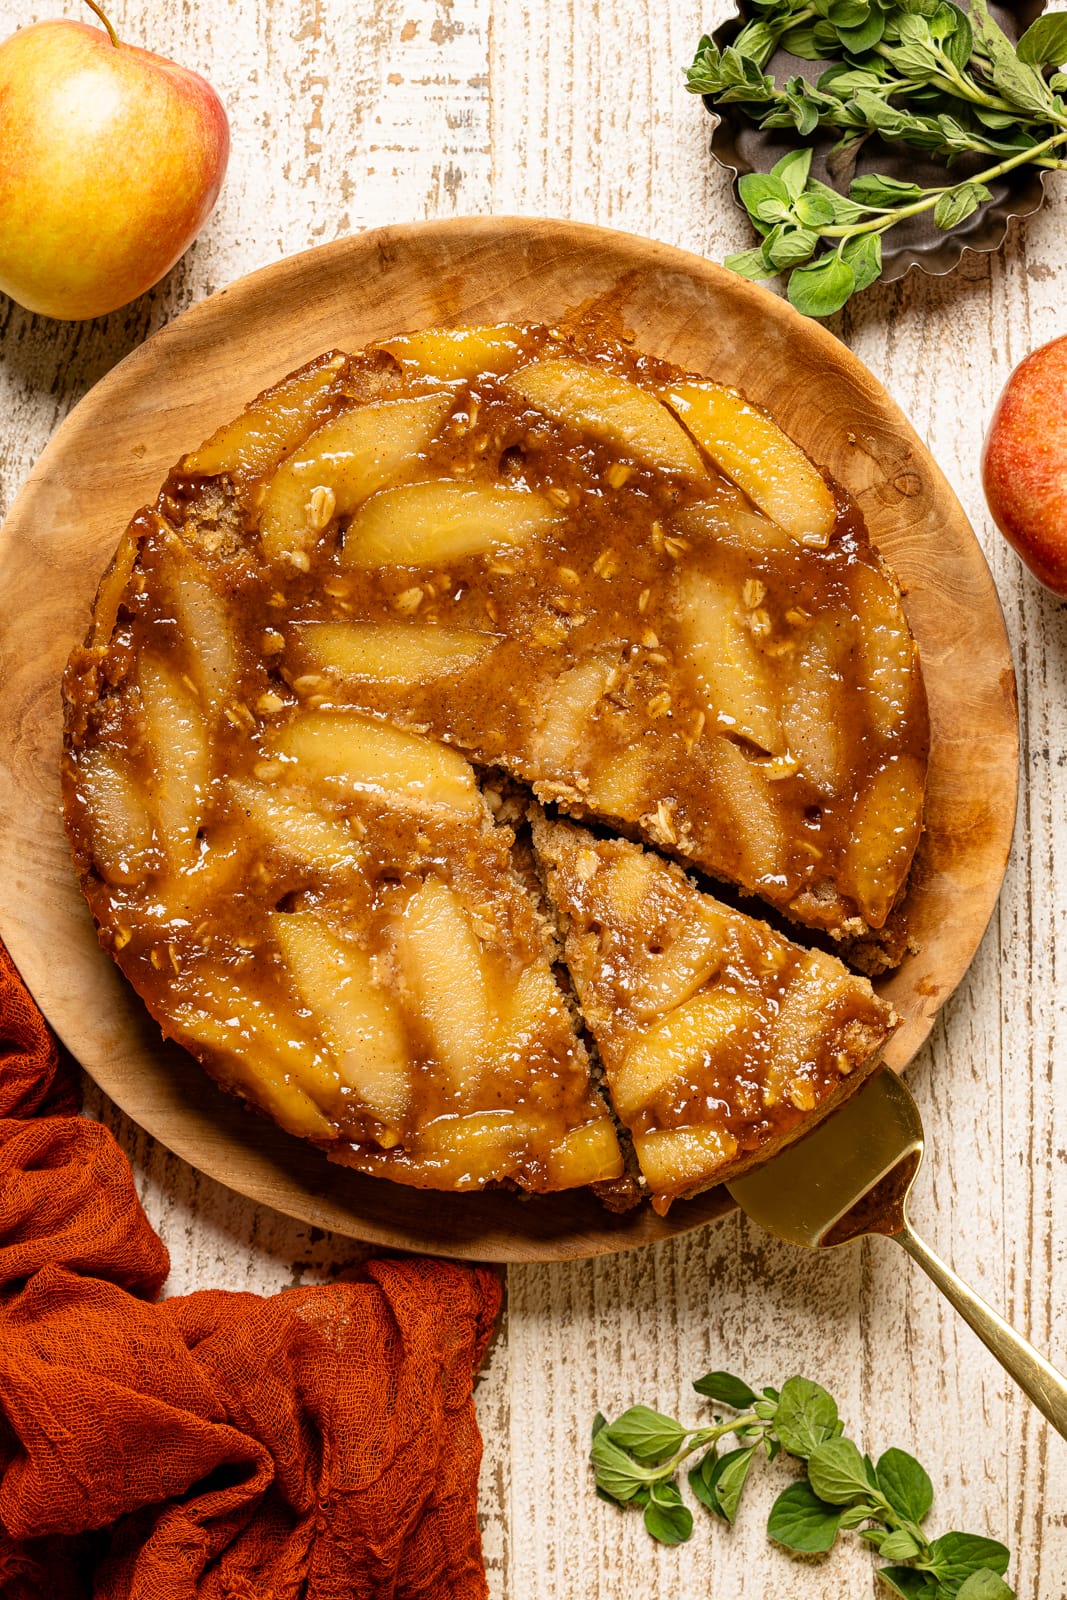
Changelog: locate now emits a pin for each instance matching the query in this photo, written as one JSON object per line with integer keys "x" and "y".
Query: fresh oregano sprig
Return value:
{"x": 920, "y": 73}
{"x": 636, "y": 1460}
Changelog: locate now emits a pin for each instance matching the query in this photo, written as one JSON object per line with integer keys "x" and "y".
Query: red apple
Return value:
{"x": 111, "y": 159}
{"x": 1024, "y": 465}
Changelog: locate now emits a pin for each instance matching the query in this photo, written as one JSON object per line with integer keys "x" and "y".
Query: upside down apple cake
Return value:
{"x": 369, "y": 631}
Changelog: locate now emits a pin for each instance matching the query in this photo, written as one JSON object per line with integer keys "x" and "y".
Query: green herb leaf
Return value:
{"x": 793, "y": 171}
{"x": 913, "y": 28}
{"x": 646, "y": 1434}
{"x": 802, "y": 105}
{"x": 959, "y": 46}
{"x": 723, "y": 1386}
{"x": 616, "y": 1472}
{"x": 837, "y": 1473}
{"x": 749, "y": 264}
{"x": 844, "y": 82}
{"x": 984, "y": 1585}
{"x": 801, "y": 42}
{"x": 821, "y": 288}
{"x": 874, "y": 189}
{"x": 848, "y": 13}
{"x": 997, "y": 121}
{"x": 599, "y": 1421}
{"x": 955, "y": 1556}
{"x": 788, "y": 247}
{"x": 719, "y": 1480}
{"x": 1045, "y": 41}
{"x": 773, "y": 211}
{"x": 898, "y": 1546}
{"x": 757, "y": 42}
{"x": 702, "y": 1482}
{"x": 730, "y": 1479}
{"x": 1015, "y": 79}
{"x": 806, "y": 1415}
{"x": 908, "y": 1582}
{"x": 916, "y": 61}
{"x": 864, "y": 255}
{"x": 825, "y": 36}
{"x": 955, "y": 205}
{"x": 801, "y": 1521}
{"x": 865, "y": 37}
{"x": 666, "y": 1518}
{"x": 814, "y": 210}
{"x": 943, "y": 22}
{"x": 905, "y": 1485}
{"x": 845, "y": 210}
{"x": 755, "y": 189}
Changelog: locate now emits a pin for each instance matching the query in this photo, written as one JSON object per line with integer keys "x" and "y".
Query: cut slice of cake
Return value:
{"x": 720, "y": 1040}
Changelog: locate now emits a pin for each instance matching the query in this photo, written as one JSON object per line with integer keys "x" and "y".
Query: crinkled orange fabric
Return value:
{"x": 314, "y": 1445}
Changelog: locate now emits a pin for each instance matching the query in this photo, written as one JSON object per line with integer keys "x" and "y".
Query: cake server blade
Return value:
{"x": 852, "y": 1176}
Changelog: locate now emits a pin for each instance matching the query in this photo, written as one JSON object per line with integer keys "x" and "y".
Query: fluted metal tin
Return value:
{"x": 741, "y": 147}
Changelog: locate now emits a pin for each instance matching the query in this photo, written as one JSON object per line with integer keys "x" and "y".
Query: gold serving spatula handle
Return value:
{"x": 1035, "y": 1376}
{"x": 852, "y": 1176}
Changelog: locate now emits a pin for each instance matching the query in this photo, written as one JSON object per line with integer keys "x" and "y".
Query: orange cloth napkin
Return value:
{"x": 314, "y": 1445}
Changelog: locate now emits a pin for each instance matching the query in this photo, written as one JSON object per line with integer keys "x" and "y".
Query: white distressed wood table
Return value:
{"x": 346, "y": 115}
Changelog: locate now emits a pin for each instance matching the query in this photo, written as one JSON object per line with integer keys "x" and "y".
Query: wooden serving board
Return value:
{"x": 110, "y": 457}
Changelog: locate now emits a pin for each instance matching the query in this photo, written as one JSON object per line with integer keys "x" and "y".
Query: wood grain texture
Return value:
{"x": 579, "y": 109}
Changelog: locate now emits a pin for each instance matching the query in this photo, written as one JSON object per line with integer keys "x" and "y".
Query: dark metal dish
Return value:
{"x": 741, "y": 147}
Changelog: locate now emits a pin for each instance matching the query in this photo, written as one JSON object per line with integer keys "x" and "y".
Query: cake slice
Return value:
{"x": 720, "y": 1040}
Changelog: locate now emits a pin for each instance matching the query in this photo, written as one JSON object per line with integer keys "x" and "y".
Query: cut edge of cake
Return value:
{"x": 689, "y": 1000}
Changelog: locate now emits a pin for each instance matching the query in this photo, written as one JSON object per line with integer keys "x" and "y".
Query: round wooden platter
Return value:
{"x": 110, "y": 457}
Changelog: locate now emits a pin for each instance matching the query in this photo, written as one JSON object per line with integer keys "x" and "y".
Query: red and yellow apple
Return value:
{"x": 1024, "y": 464}
{"x": 111, "y": 159}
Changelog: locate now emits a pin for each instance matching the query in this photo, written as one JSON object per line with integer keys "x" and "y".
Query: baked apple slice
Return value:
{"x": 111, "y": 808}
{"x": 732, "y": 676}
{"x": 273, "y": 425}
{"x": 720, "y": 1040}
{"x": 362, "y": 1025}
{"x": 433, "y": 524}
{"x": 612, "y": 409}
{"x": 340, "y": 465}
{"x": 458, "y": 355}
{"x": 346, "y": 754}
{"x": 391, "y": 652}
{"x": 181, "y": 756}
{"x": 750, "y": 448}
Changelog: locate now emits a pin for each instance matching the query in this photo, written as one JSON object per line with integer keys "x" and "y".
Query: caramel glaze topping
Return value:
{"x": 718, "y": 1037}
{"x": 494, "y": 544}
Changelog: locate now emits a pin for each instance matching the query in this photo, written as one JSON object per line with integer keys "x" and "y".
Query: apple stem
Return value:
{"x": 105, "y": 20}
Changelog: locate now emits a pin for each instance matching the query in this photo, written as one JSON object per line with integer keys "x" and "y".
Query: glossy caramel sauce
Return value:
{"x": 294, "y": 652}
{"x": 718, "y": 1037}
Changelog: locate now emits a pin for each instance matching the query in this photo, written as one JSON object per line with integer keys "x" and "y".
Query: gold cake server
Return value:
{"x": 852, "y": 1176}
